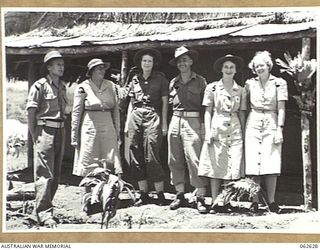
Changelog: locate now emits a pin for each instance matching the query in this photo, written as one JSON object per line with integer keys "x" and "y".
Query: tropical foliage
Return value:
{"x": 302, "y": 71}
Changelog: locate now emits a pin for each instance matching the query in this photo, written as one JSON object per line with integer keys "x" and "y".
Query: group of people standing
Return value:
{"x": 218, "y": 132}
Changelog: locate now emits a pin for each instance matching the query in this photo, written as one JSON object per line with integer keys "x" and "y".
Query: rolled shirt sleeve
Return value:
{"x": 34, "y": 96}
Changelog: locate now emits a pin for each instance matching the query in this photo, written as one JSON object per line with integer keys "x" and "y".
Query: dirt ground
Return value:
{"x": 158, "y": 218}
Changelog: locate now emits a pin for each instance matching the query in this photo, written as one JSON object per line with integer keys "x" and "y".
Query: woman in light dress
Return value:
{"x": 222, "y": 153}
{"x": 267, "y": 95}
{"x": 95, "y": 121}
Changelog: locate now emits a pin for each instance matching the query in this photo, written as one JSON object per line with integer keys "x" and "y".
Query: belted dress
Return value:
{"x": 223, "y": 158}
{"x": 95, "y": 126}
{"x": 262, "y": 155}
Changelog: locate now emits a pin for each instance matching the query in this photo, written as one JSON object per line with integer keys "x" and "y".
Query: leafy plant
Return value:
{"x": 302, "y": 71}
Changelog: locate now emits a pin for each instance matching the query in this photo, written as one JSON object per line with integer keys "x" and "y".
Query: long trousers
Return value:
{"x": 184, "y": 146}
{"x": 48, "y": 154}
{"x": 145, "y": 138}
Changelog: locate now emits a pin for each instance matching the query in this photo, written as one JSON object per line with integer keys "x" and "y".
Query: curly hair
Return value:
{"x": 154, "y": 58}
{"x": 265, "y": 56}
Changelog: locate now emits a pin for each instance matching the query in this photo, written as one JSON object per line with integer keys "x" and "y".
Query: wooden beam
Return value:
{"x": 124, "y": 67}
{"x": 305, "y": 139}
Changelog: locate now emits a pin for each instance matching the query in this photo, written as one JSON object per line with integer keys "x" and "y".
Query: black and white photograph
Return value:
{"x": 160, "y": 120}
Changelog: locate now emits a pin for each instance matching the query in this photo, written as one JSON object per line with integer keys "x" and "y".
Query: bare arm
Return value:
{"x": 77, "y": 111}
{"x": 242, "y": 118}
{"x": 281, "y": 118}
{"x": 164, "y": 118}
{"x": 281, "y": 112}
{"x": 207, "y": 123}
{"x": 130, "y": 108}
{"x": 32, "y": 122}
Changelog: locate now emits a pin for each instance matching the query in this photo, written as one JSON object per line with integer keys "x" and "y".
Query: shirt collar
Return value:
{"x": 271, "y": 78}
{"x": 92, "y": 84}
{"x": 50, "y": 81}
{"x": 193, "y": 76}
{"x": 140, "y": 75}
{"x": 234, "y": 88}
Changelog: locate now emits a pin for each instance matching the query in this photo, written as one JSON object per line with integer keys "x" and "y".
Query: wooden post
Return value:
{"x": 123, "y": 145}
{"x": 124, "y": 67}
{"x": 305, "y": 140}
{"x": 31, "y": 80}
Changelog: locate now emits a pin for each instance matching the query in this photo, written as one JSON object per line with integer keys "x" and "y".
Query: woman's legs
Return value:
{"x": 143, "y": 186}
{"x": 271, "y": 185}
{"x": 159, "y": 187}
{"x": 144, "y": 198}
{"x": 215, "y": 188}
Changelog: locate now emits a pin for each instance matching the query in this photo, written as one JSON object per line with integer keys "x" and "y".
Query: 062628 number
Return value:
{"x": 308, "y": 246}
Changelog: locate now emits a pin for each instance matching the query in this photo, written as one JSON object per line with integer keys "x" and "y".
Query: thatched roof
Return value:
{"x": 125, "y": 24}
{"x": 97, "y": 37}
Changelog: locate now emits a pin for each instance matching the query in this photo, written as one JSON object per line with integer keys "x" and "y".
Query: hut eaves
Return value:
{"x": 230, "y": 35}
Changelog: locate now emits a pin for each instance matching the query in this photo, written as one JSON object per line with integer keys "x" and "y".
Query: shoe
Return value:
{"x": 214, "y": 209}
{"x": 201, "y": 206}
{"x": 274, "y": 208}
{"x": 180, "y": 201}
{"x": 143, "y": 200}
{"x": 254, "y": 207}
{"x": 161, "y": 199}
{"x": 50, "y": 223}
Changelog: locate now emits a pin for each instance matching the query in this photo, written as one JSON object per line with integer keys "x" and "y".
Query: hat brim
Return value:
{"x": 238, "y": 61}
{"x": 106, "y": 65}
{"x": 43, "y": 69}
{"x": 153, "y": 52}
{"x": 192, "y": 53}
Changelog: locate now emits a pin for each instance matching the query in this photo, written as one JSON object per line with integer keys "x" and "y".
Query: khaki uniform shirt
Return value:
{"x": 188, "y": 96}
{"x": 149, "y": 91}
{"x": 49, "y": 100}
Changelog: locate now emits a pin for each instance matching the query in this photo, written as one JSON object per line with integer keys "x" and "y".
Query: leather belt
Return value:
{"x": 225, "y": 113}
{"x": 143, "y": 106}
{"x": 51, "y": 124}
{"x": 99, "y": 110}
{"x": 192, "y": 114}
{"x": 264, "y": 111}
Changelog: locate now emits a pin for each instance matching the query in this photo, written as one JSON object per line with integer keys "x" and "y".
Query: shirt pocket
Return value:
{"x": 193, "y": 96}
{"x": 51, "y": 101}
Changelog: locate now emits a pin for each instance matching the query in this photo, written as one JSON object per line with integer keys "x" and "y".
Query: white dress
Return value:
{"x": 262, "y": 155}
{"x": 223, "y": 158}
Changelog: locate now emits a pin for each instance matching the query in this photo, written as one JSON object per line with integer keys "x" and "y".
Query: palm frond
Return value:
{"x": 89, "y": 181}
{"x": 238, "y": 190}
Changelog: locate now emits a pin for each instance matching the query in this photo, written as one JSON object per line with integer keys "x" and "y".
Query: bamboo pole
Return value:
{"x": 123, "y": 110}
{"x": 305, "y": 139}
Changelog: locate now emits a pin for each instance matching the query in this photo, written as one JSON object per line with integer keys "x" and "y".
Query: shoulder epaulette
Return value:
{"x": 38, "y": 84}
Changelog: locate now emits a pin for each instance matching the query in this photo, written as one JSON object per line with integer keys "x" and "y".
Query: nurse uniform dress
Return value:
{"x": 263, "y": 156}
{"x": 223, "y": 158}
{"x": 95, "y": 126}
